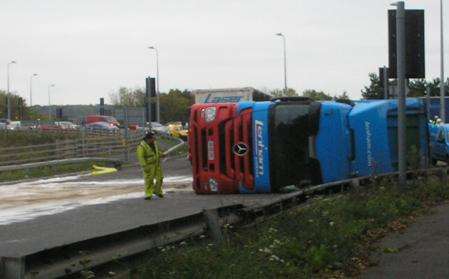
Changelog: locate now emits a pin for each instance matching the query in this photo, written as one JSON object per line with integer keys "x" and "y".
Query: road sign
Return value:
{"x": 414, "y": 41}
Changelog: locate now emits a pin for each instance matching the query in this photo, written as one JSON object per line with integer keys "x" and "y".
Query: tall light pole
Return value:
{"x": 401, "y": 74}
{"x": 158, "y": 114}
{"x": 49, "y": 101}
{"x": 8, "y": 92}
{"x": 442, "y": 89}
{"x": 31, "y": 88}
{"x": 285, "y": 60}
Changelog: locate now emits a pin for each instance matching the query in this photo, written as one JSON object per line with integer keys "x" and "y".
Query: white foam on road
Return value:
{"x": 28, "y": 200}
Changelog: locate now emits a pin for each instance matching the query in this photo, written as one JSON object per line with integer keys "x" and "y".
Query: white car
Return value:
{"x": 14, "y": 125}
{"x": 2, "y": 126}
{"x": 66, "y": 125}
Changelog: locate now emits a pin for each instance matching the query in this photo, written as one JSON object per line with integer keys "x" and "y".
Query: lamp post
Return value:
{"x": 31, "y": 88}
{"x": 158, "y": 115}
{"x": 285, "y": 59}
{"x": 442, "y": 89}
{"x": 49, "y": 101}
{"x": 8, "y": 92}
{"x": 401, "y": 74}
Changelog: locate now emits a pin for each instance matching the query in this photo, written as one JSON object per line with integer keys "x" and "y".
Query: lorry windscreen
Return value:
{"x": 292, "y": 126}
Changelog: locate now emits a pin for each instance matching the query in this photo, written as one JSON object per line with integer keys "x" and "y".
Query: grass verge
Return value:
{"x": 329, "y": 237}
{"x": 26, "y": 138}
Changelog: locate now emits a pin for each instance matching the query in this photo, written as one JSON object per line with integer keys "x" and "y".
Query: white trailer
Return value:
{"x": 229, "y": 95}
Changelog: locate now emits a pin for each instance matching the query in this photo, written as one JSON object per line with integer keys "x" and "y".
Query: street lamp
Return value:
{"x": 442, "y": 89}
{"x": 31, "y": 88}
{"x": 285, "y": 60}
{"x": 8, "y": 92}
{"x": 49, "y": 103}
{"x": 158, "y": 116}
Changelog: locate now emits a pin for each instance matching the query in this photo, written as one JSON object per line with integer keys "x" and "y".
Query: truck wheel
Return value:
{"x": 434, "y": 162}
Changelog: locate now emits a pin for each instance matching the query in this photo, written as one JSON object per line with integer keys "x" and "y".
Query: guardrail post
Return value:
{"x": 212, "y": 221}
{"x": 12, "y": 268}
{"x": 126, "y": 150}
{"x": 443, "y": 176}
{"x": 83, "y": 141}
{"x": 355, "y": 184}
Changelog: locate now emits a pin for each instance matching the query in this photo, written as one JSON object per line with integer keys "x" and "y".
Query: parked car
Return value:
{"x": 102, "y": 127}
{"x": 90, "y": 119}
{"x": 159, "y": 128}
{"x": 49, "y": 127}
{"x": 14, "y": 125}
{"x": 439, "y": 143}
{"x": 177, "y": 130}
{"x": 4, "y": 123}
{"x": 66, "y": 125}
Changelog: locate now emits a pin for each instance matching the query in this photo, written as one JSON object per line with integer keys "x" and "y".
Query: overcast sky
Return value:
{"x": 89, "y": 48}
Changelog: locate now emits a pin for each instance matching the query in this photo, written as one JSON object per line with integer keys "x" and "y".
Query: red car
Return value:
{"x": 101, "y": 118}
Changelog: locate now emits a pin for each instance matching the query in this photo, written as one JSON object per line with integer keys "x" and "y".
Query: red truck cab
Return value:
{"x": 220, "y": 143}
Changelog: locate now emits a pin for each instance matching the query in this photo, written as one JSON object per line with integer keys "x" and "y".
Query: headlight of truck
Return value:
{"x": 210, "y": 114}
{"x": 213, "y": 185}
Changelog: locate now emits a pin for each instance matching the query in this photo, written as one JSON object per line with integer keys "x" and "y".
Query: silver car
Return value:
{"x": 159, "y": 128}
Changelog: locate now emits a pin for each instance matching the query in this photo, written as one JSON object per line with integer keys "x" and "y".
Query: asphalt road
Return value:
{"x": 86, "y": 222}
{"x": 423, "y": 250}
{"x": 28, "y": 199}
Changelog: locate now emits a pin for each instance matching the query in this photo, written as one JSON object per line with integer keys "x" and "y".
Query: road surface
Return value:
{"x": 27, "y": 200}
{"x": 423, "y": 250}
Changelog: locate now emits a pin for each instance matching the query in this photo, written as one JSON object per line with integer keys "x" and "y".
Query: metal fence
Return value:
{"x": 118, "y": 145}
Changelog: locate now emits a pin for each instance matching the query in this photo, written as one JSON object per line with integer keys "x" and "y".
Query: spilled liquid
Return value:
{"x": 27, "y": 200}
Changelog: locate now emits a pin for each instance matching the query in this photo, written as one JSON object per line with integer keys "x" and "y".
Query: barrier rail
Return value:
{"x": 87, "y": 145}
{"x": 66, "y": 260}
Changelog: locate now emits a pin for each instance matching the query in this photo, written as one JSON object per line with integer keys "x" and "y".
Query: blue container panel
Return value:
{"x": 417, "y": 132}
{"x": 368, "y": 122}
{"x": 333, "y": 142}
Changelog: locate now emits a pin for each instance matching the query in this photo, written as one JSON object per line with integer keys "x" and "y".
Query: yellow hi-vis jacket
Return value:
{"x": 149, "y": 159}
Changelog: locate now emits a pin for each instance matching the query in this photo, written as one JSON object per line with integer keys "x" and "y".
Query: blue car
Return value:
{"x": 439, "y": 142}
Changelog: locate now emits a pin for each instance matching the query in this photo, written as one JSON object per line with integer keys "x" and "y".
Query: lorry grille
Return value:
{"x": 225, "y": 134}
{"x": 239, "y": 130}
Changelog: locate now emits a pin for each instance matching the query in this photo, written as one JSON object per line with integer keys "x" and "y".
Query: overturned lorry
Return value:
{"x": 262, "y": 147}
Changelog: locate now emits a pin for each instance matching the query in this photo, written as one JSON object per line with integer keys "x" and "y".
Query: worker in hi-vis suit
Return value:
{"x": 149, "y": 157}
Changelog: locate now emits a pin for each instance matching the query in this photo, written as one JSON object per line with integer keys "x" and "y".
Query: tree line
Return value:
{"x": 19, "y": 108}
{"x": 417, "y": 87}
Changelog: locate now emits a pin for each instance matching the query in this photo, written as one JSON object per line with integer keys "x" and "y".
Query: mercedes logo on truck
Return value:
{"x": 240, "y": 149}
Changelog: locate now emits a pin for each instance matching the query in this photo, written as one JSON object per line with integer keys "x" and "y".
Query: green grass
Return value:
{"x": 331, "y": 236}
{"x": 44, "y": 171}
{"x": 25, "y": 138}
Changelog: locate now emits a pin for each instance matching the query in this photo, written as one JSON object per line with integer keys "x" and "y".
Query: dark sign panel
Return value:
{"x": 150, "y": 100}
{"x": 415, "y": 44}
